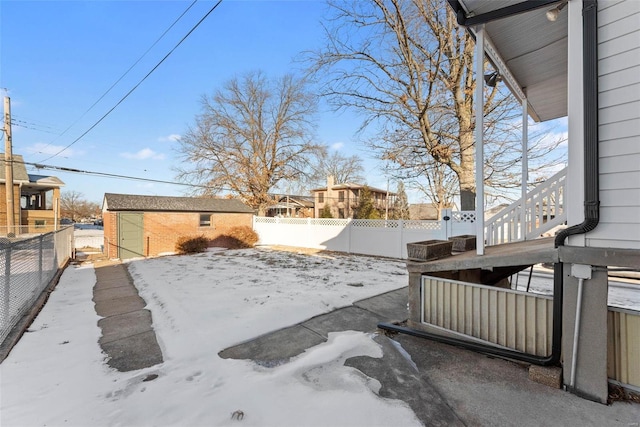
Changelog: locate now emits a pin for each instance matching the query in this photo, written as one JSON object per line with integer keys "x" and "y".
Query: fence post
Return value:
{"x": 40, "y": 251}
{"x": 401, "y": 233}
{"x": 447, "y": 220}
{"x": 6, "y": 315}
{"x": 349, "y": 221}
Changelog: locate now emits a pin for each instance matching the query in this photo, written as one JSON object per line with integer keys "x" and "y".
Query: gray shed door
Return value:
{"x": 130, "y": 235}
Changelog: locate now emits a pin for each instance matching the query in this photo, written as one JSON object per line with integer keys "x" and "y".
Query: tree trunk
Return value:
{"x": 466, "y": 178}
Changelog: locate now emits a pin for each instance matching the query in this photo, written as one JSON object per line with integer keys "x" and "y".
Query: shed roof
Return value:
{"x": 132, "y": 202}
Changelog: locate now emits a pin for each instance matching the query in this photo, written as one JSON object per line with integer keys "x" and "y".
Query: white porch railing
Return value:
{"x": 543, "y": 210}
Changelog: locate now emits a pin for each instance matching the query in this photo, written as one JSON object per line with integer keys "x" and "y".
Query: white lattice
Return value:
{"x": 422, "y": 225}
{"x": 330, "y": 221}
{"x": 374, "y": 223}
{"x": 265, "y": 220}
{"x": 464, "y": 216}
{"x": 297, "y": 221}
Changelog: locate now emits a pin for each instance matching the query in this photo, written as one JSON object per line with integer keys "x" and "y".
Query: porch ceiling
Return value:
{"x": 533, "y": 48}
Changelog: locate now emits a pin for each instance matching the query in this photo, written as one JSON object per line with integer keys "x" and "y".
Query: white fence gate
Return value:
{"x": 387, "y": 238}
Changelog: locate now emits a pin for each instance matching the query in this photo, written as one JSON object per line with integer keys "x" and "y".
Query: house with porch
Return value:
{"x": 35, "y": 201}
{"x": 290, "y": 206}
{"x": 578, "y": 59}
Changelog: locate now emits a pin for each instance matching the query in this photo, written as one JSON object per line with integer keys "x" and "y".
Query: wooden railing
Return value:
{"x": 543, "y": 210}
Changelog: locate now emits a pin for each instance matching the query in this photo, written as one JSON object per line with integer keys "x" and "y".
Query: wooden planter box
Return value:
{"x": 429, "y": 250}
{"x": 462, "y": 243}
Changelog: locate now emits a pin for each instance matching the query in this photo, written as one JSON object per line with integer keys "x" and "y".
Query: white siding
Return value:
{"x": 619, "y": 124}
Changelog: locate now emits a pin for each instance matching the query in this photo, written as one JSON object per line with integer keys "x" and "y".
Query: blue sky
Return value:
{"x": 58, "y": 58}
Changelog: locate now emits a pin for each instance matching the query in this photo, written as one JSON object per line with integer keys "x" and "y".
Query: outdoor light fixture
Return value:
{"x": 552, "y": 14}
{"x": 492, "y": 79}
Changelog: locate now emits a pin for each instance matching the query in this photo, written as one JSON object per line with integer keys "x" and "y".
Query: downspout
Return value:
{"x": 591, "y": 204}
{"x": 591, "y": 156}
{"x": 591, "y": 168}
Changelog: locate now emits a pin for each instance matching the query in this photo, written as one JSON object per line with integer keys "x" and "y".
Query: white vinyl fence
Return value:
{"x": 387, "y": 238}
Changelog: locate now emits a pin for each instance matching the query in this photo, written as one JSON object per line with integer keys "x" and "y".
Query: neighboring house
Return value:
{"x": 423, "y": 211}
{"x": 343, "y": 198}
{"x": 36, "y": 200}
{"x": 292, "y": 206}
{"x": 137, "y": 226}
{"x": 581, "y": 60}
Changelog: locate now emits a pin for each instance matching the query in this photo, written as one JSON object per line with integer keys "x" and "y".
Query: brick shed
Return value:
{"x": 136, "y": 226}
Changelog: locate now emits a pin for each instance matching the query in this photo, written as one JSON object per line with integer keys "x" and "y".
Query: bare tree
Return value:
{"x": 73, "y": 205}
{"x": 408, "y": 67}
{"x": 251, "y": 134}
{"x": 342, "y": 168}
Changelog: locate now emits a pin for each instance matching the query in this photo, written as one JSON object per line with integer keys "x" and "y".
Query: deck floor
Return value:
{"x": 529, "y": 252}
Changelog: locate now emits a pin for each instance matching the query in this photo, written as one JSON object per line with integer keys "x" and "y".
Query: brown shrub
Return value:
{"x": 239, "y": 237}
{"x": 192, "y": 244}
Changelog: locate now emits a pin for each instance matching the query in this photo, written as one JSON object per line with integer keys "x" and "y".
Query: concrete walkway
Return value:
{"x": 443, "y": 385}
{"x": 128, "y": 337}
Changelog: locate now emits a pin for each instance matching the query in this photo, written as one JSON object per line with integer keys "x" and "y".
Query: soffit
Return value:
{"x": 534, "y": 50}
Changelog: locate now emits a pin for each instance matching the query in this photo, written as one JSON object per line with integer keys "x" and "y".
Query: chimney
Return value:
{"x": 330, "y": 182}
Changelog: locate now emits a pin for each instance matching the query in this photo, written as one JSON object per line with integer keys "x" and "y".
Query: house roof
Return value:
{"x": 19, "y": 169}
{"x": 532, "y": 48}
{"x": 45, "y": 180}
{"x": 39, "y": 183}
{"x": 306, "y": 201}
{"x": 131, "y": 202}
{"x": 351, "y": 186}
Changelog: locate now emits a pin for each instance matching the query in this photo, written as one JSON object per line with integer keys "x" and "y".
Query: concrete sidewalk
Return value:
{"x": 443, "y": 385}
{"x": 127, "y": 337}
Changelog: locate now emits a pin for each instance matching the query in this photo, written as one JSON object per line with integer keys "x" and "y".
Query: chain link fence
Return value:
{"x": 28, "y": 264}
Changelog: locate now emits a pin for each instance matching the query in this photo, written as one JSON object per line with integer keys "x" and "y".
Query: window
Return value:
{"x": 320, "y": 197}
{"x": 341, "y": 197}
{"x": 40, "y": 223}
{"x": 205, "y": 220}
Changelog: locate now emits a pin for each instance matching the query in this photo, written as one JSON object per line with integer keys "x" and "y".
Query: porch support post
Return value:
{"x": 525, "y": 169}
{"x": 479, "y": 135}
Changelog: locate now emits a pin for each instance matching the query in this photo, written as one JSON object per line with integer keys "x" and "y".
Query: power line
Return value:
{"x": 107, "y": 175}
{"x": 123, "y": 75}
{"x": 31, "y": 126}
{"x": 137, "y": 178}
{"x": 37, "y": 123}
{"x": 138, "y": 84}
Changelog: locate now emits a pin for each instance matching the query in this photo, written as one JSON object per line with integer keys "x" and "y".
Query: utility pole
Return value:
{"x": 8, "y": 165}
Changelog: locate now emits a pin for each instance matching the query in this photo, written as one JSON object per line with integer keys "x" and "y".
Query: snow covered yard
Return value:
{"x": 202, "y": 304}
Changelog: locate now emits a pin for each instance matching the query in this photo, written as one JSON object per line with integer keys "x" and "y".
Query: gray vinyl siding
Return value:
{"x": 619, "y": 124}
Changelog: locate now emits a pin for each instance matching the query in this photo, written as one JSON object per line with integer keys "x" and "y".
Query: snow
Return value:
{"x": 88, "y": 236}
{"x": 623, "y": 293}
{"x": 202, "y": 304}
